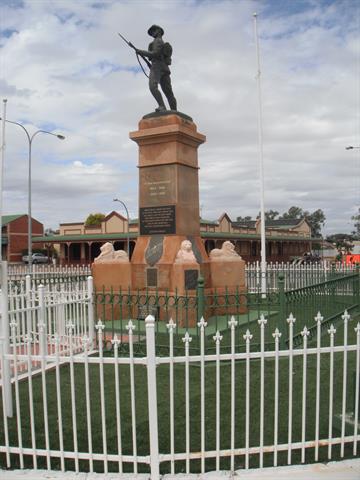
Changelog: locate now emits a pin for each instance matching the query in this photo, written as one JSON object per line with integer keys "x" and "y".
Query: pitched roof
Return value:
{"x": 113, "y": 214}
{"x": 5, "y": 219}
{"x": 203, "y": 221}
{"x": 83, "y": 237}
{"x": 244, "y": 224}
{"x": 287, "y": 222}
{"x": 281, "y": 223}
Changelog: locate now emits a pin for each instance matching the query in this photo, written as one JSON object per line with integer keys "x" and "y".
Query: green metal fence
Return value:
{"x": 116, "y": 307}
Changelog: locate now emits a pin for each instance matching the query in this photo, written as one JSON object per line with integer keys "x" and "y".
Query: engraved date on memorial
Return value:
{"x": 191, "y": 278}
{"x": 157, "y": 220}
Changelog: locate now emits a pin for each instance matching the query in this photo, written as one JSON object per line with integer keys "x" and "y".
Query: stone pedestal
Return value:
{"x": 111, "y": 277}
{"x": 228, "y": 277}
{"x": 228, "y": 273}
{"x": 184, "y": 280}
{"x": 168, "y": 198}
{"x": 168, "y": 175}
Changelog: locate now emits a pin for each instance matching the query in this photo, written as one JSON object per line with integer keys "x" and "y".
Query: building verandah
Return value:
{"x": 84, "y": 252}
{"x": 250, "y": 250}
{"x": 78, "y": 243}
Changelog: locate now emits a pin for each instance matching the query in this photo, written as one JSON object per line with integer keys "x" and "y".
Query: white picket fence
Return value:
{"x": 116, "y": 425}
{"x": 54, "y": 305}
{"x": 41, "y": 313}
{"x": 295, "y": 275}
{"x": 18, "y": 272}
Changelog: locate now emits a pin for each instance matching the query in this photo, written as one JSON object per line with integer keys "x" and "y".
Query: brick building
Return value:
{"x": 15, "y": 236}
{"x": 77, "y": 243}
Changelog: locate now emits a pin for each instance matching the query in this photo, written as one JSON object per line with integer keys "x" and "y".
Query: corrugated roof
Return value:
{"x": 255, "y": 236}
{"x": 244, "y": 224}
{"x": 82, "y": 238}
{"x": 208, "y": 222}
{"x": 5, "y": 219}
{"x": 283, "y": 223}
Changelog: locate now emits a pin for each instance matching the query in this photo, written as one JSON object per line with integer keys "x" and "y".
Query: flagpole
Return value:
{"x": 261, "y": 158}
{"x": 4, "y": 324}
{"x": 2, "y": 160}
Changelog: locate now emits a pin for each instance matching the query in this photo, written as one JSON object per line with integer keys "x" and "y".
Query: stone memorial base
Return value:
{"x": 153, "y": 262}
{"x": 228, "y": 280}
{"x": 111, "y": 278}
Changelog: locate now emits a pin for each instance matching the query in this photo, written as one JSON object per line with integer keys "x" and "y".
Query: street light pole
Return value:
{"x": 30, "y": 140}
{"x": 350, "y": 147}
{"x": 128, "y": 233}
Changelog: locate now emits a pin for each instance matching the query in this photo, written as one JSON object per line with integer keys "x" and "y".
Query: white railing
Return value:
{"x": 274, "y": 381}
{"x": 295, "y": 275}
{"x": 18, "y": 272}
{"x": 50, "y": 307}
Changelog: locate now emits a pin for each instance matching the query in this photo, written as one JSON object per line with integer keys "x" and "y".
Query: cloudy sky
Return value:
{"x": 63, "y": 68}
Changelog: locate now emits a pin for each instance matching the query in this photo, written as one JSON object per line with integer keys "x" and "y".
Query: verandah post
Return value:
{"x": 152, "y": 397}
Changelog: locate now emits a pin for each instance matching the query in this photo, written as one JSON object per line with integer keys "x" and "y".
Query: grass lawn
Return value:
{"x": 179, "y": 399}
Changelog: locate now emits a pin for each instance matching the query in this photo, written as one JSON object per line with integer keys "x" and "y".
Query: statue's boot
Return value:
{"x": 158, "y": 97}
{"x": 172, "y": 103}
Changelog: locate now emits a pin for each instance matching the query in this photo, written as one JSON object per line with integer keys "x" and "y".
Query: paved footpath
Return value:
{"x": 346, "y": 470}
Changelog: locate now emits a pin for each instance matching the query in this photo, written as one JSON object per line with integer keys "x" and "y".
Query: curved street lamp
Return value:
{"x": 350, "y": 147}
{"x": 30, "y": 140}
{"x": 127, "y": 215}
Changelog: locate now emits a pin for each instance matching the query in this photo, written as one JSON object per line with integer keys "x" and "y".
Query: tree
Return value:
{"x": 269, "y": 214}
{"x": 243, "y": 219}
{"x": 94, "y": 219}
{"x": 356, "y": 232}
{"x": 316, "y": 220}
{"x": 342, "y": 241}
{"x": 293, "y": 212}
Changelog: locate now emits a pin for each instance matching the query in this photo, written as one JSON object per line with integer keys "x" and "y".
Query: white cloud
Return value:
{"x": 65, "y": 68}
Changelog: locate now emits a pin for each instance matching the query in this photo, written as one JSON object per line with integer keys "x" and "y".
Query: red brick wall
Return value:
{"x": 18, "y": 236}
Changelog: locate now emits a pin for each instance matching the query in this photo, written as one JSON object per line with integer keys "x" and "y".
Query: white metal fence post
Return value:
{"x": 90, "y": 290}
{"x": 5, "y": 333}
{"x": 28, "y": 303}
{"x": 42, "y": 322}
{"x": 152, "y": 397}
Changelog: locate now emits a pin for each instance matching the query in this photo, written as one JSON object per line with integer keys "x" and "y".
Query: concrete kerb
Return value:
{"x": 344, "y": 470}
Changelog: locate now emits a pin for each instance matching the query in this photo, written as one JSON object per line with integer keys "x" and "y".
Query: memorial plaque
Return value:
{"x": 191, "y": 278}
{"x": 157, "y": 186}
{"x": 151, "y": 277}
{"x": 157, "y": 220}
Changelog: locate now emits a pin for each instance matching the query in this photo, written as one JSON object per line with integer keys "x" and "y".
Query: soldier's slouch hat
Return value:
{"x": 154, "y": 27}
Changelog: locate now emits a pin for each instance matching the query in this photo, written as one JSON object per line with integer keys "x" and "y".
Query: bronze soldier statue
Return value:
{"x": 159, "y": 54}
